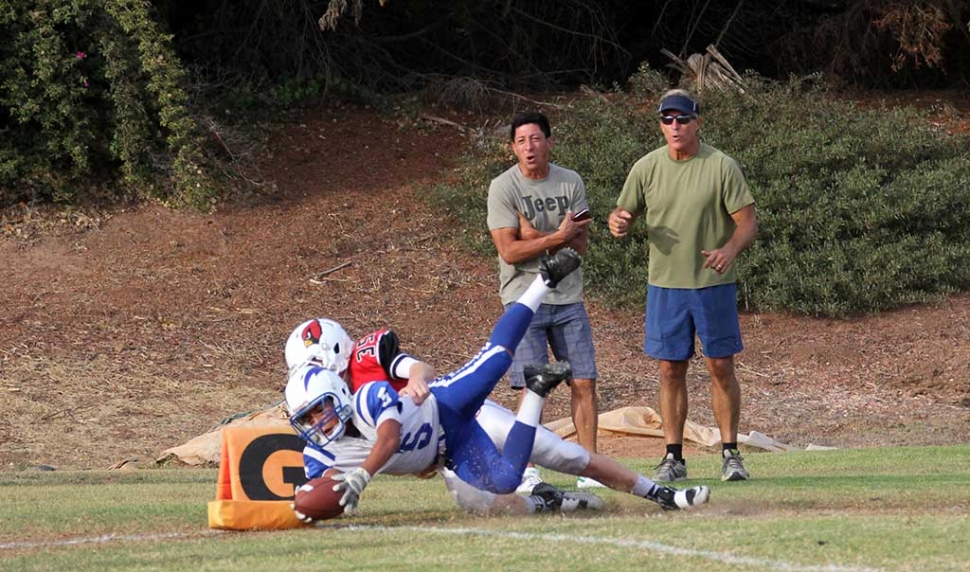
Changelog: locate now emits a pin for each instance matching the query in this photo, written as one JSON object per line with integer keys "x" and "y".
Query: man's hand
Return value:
{"x": 526, "y": 230}
{"x": 352, "y": 483}
{"x": 719, "y": 259}
{"x": 568, "y": 233}
{"x": 570, "y": 228}
{"x": 418, "y": 389}
{"x": 420, "y": 375}
{"x": 619, "y": 222}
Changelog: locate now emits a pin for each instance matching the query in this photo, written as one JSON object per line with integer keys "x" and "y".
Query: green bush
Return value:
{"x": 647, "y": 82}
{"x": 92, "y": 92}
{"x": 860, "y": 210}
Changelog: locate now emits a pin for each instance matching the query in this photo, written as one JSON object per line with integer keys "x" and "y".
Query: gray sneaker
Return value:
{"x": 670, "y": 470}
{"x": 572, "y": 501}
{"x": 732, "y": 468}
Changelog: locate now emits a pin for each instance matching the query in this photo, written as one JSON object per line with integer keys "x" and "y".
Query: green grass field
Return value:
{"x": 837, "y": 511}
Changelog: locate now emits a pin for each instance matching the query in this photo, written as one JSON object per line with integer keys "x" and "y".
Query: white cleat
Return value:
{"x": 670, "y": 498}
{"x": 588, "y": 483}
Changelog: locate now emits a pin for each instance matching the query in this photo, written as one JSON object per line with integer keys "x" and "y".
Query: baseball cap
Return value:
{"x": 681, "y": 103}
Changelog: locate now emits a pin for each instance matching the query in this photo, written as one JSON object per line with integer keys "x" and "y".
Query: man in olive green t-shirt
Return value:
{"x": 700, "y": 216}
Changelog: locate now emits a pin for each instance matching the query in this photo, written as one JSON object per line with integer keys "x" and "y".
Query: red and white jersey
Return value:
{"x": 376, "y": 357}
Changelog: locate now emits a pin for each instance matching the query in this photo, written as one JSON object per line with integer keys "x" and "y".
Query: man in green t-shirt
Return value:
{"x": 700, "y": 216}
{"x": 536, "y": 207}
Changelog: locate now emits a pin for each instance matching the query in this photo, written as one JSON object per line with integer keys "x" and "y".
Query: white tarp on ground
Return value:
{"x": 630, "y": 421}
{"x": 645, "y": 422}
{"x": 206, "y": 448}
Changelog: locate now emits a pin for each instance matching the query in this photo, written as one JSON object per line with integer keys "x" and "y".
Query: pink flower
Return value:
{"x": 81, "y": 55}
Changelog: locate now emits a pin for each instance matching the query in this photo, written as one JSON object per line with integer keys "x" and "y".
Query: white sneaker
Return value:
{"x": 530, "y": 478}
{"x": 588, "y": 483}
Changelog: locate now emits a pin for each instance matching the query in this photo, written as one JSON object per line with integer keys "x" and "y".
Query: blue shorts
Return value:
{"x": 675, "y": 315}
{"x": 566, "y": 329}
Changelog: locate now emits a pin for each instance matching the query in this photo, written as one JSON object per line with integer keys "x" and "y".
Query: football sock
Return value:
{"x": 534, "y": 294}
{"x": 677, "y": 450}
{"x": 644, "y": 487}
{"x": 530, "y": 410}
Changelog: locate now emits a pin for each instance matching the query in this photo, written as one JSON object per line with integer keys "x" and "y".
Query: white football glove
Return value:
{"x": 352, "y": 483}
{"x": 299, "y": 515}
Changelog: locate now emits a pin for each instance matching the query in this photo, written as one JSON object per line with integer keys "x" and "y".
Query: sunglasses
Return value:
{"x": 681, "y": 119}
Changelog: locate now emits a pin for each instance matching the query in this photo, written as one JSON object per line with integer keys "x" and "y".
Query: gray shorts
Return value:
{"x": 567, "y": 331}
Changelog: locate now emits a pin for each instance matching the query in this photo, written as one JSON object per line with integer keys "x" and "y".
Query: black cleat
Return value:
{"x": 547, "y": 497}
{"x": 556, "y": 267}
{"x": 542, "y": 379}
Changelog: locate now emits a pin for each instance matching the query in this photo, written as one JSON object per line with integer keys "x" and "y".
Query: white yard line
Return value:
{"x": 719, "y": 557}
{"x": 104, "y": 539}
{"x": 650, "y": 546}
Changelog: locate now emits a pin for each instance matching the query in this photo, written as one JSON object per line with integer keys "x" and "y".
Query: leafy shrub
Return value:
{"x": 647, "y": 82}
{"x": 860, "y": 210}
{"x": 91, "y": 90}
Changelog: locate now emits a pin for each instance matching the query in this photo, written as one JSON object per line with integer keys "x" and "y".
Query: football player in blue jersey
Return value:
{"x": 353, "y": 437}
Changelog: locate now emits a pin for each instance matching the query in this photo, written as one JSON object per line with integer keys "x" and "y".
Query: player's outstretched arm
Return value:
{"x": 353, "y": 483}
{"x": 388, "y": 442}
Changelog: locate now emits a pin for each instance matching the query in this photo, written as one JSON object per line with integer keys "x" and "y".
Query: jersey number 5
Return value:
{"x": 417, "y": 440}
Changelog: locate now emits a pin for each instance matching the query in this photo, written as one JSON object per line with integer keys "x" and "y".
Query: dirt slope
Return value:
{"x": 128, "y": 333}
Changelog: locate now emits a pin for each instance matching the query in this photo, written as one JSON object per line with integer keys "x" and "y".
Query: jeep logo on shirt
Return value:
{"x": 531, "y": 206}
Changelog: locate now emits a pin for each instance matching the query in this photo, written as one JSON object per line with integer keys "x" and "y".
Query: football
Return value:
{"x": 317, "y": 499}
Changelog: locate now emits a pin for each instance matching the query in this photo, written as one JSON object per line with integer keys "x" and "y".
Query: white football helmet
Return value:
{"x": 319, "y": 341}
{"x": 314, "y": 389}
